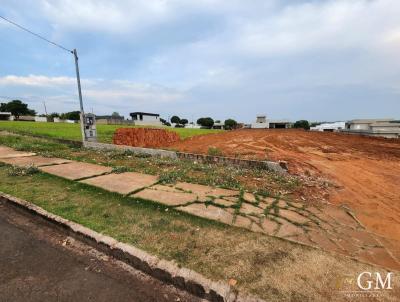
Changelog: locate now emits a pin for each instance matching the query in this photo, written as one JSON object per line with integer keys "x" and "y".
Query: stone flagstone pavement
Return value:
{"x": 331, "y": 228}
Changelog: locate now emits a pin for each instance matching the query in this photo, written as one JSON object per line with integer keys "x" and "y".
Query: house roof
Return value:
{"x": 370, "y": 121}
{"x": 144, "y": 113}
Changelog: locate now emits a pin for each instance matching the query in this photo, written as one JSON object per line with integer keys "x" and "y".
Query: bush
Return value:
{"x": 214, "y": 151}
{"x": 73, "y": 115}
{"x": 184, "y": 121}
{"x": 230, "y": 124}
{"x": 302, "y": 124}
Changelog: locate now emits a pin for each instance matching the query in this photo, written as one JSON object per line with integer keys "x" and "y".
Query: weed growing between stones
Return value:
{"x": 120, "y": 169}
{"x": 22, "y": 171}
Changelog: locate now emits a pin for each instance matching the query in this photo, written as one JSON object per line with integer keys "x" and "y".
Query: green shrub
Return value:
{"x": 214, "y": 151}
{"x": 120, "y": 169}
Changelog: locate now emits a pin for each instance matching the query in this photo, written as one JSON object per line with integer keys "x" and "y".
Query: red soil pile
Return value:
{"x": 144, "y": 137}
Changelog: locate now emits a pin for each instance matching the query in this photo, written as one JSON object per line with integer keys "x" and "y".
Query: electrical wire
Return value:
{"x": 35, "y": 34}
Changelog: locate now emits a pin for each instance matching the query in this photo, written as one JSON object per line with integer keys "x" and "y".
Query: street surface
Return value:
{"x": 39, "y": 263}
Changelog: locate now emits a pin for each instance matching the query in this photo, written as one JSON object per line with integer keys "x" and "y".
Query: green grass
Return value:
{"x": 73, "y": 132}
{"x": 262, "y": 265}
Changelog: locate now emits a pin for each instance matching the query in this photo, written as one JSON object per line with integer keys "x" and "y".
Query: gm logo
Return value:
{"x": 368, "y": 281}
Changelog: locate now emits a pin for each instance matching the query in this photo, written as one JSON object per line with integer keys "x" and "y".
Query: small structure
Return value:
{"x": 263, "y": 123}
{"x": 388, "y": 128}
{"x": 25, "y": 118}
{"x": 279, "y": 124}
{"x": 329, "y": 127}
{"x": 42, "y": 119}
{"x": 112, "y": 120}
{"x": 218, "y": 125}
{"x": 143, "y": 118}
{"x": 5, "y": 116}
{"x": 58, "y": 120}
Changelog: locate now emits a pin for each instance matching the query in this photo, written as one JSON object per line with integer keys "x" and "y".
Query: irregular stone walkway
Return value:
{"x": 328, "y": 227}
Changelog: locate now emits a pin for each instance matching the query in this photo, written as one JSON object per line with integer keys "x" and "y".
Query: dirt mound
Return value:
{"x": 144, "y": 137}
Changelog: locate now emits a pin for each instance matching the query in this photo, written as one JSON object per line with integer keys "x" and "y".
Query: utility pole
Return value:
{"x": 45, "y": 109}
{"x": 78, "y": 79}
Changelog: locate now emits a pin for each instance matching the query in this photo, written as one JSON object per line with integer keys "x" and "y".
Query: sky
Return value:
{"x": 321, "y": 60}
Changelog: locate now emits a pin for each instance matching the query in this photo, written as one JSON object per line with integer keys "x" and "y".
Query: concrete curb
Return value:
{"x": 166, "y": 271}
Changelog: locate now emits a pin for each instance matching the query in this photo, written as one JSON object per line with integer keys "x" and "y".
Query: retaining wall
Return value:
{"x": 279, "y": 167}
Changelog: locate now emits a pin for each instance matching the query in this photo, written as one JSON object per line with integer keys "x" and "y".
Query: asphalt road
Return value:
{"x": 40, "y": 263}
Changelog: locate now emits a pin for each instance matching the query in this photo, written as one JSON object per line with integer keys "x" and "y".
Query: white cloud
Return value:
{"x": 315, "y": 26}
{"x": 105, "y": 96}
{"x": 35, "y": 80}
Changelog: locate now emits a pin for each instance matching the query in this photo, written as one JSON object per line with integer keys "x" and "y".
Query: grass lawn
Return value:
{"x": 273, "y": 269}
{"x": 73, "y": 132}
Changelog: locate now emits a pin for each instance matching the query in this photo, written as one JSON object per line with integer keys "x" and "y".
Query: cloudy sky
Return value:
{"x": 315, "y": 59}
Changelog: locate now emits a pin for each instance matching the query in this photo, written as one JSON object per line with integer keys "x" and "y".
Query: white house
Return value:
{"x": 5, "y": 116}
{"x": 143, "y": 118}
{"x": 329, "y": 127}
{"x": 42, "y": 119}
{"x": 388, "y": 128}
{"x": 263, "y": 123}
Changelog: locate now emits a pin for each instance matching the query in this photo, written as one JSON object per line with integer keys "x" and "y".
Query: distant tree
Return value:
{"x": 73, "y": 115}
{"x": 230, "y": 124}
{"x": 206, "y": 122}
{"x": 167, "y": 124}
{"x": 302, "y": 124}
{"x": 217, "y": 121}
{"x": 54, "y": 114}
{"x": 184, "y": 121}
{"x": 115, "y": 115}
{"x": 163, "y": 121}
{"x": 175, "y": 119}
{"x": 313, "y": 124}
{"x": 17, "y": 108}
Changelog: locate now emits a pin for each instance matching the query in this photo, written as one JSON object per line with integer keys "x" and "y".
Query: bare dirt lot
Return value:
{"x": 364, "y": 171}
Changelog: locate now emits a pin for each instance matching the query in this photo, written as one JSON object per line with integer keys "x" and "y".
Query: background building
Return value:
{"x": 143, "y": 118}
{"x": 263, "y": 123}
{"x": 329, "y": 127}
{"x": 388, "y": 128}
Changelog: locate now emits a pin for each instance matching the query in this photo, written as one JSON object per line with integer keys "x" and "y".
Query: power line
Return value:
{"x": 35, "y": 34}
